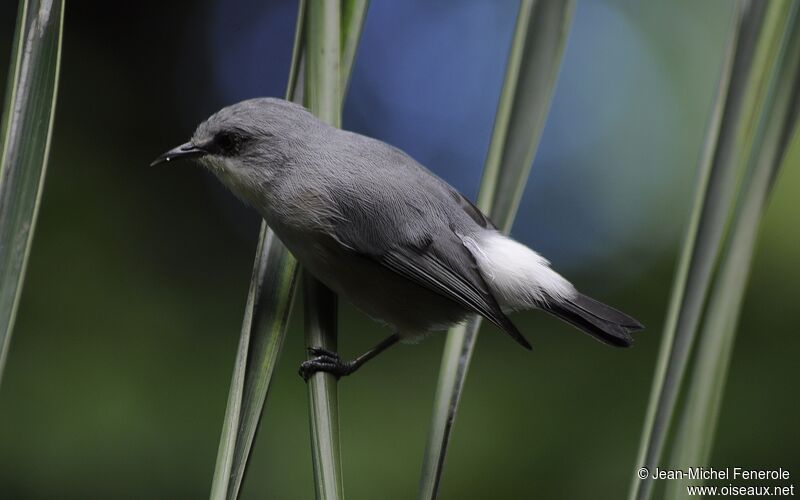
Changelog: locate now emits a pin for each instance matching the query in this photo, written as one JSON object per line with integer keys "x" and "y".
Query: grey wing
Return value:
{"x": 434, "y": 258}
{"x": 459, "y": 281}
{"x": 405, "y": 218}
{"x": 467, "y": 206}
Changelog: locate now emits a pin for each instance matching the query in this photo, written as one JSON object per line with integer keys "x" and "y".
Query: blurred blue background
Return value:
{"x": 118, "y": 374}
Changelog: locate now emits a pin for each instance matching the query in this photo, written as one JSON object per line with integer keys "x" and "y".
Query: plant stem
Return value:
{"x": 27, "y": 129}
{"x": 534, "y": 59}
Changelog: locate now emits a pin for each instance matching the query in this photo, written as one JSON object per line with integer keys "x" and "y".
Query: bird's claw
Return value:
{"x": 324, "y": 361}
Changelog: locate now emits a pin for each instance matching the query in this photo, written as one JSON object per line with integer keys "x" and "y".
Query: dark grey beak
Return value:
{"x": 182, "y": 152}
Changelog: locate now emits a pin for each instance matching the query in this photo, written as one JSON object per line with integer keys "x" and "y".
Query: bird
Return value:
{"x": 382, "y": 231}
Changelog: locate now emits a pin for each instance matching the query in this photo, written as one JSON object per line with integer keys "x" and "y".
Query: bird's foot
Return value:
{"x": 325, "y": 361}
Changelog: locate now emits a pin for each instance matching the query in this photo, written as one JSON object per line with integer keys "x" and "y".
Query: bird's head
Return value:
{"x": 249, "y": 142}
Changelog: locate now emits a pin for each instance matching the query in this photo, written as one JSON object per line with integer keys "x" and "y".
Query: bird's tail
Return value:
{"x": 602, "y": 322}
{"x": 520, "y": 279}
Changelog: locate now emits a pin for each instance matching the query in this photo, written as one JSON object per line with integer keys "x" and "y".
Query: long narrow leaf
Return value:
{"x": 753, "y": 49}
{"x": 320, "y": 319}
{"x": 333, "y": 32}
{"x": 26, "y": 131}
{"x": 323, "y": 92}
{"x": 269, "y": 302}
{"x": 694, "y": 439}
{"x": 354, "y": 13}
{"x": 267, "y": 313}
{"x": 533, "y": 63}
{"x": 323, "y": 98}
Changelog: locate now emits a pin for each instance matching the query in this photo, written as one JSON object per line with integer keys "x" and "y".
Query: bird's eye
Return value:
{"x": 228, "y": 143}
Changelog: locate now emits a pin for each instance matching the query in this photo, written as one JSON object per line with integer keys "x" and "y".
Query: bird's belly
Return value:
{"x": 407, "y": 308}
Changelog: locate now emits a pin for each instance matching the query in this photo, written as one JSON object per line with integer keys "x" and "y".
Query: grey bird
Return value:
{"x": 381, "y": 230}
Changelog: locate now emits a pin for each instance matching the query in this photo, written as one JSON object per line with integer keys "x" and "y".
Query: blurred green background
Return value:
{"x": 119, "y": 367}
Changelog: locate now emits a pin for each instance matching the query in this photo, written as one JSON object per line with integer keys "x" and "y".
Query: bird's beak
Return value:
{"x": 182, "y": 152}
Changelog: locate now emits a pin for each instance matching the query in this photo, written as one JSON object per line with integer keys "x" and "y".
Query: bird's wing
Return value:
{"x": 467, "y": 206}
{"x": 441, "y": 263}
{"x": 406, "y": 219}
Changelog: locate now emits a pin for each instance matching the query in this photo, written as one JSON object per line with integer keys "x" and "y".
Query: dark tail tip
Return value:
{"x": 603, "y": 322}
{"x": 515, "y": 334}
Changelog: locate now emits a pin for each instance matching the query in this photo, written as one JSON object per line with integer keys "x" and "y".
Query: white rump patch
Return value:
{"x": 518, "y": 277}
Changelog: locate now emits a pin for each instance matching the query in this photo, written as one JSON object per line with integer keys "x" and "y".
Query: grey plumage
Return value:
{"x": 380, "y": 229}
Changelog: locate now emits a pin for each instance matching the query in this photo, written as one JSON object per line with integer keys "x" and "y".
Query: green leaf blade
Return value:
{"x": 320, "y": 320}
{"x": 534, "y": 60}
{"x": 263, "y": 331}
{"x": 744, "y": 91}
{"x": 269, "y": 302}
{"x": 694, "y": 438}
{"x": 354, "y": 13}
{"x": 333, "y": 31}
{"x": 26, "y": 135}
{"x": 323, "y": 98}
